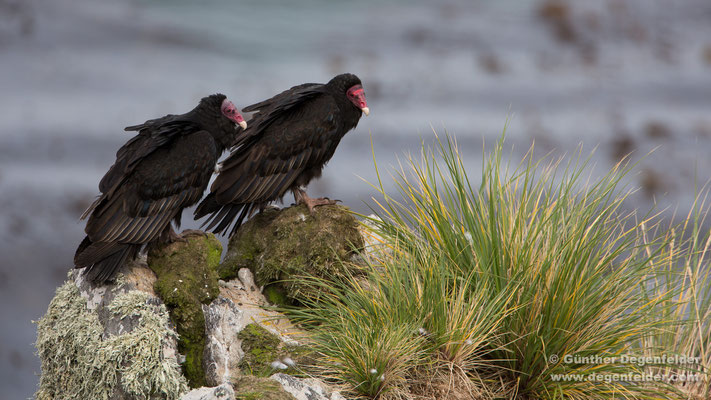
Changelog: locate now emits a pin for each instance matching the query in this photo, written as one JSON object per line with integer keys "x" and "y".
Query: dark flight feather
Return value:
{"x": 162, "y": 170}
{"x": 289, "y": 140}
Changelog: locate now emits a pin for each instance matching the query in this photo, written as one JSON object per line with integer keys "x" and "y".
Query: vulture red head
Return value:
{"x": 230, "y": 111}
{"x": 351, "y": 85}
{"x": 356, "y": 95}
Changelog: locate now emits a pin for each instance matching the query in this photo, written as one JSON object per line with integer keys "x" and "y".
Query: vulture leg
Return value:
{"x": 167, "y": 237}
{"x": 301, "y": 197}
{"x": 173, "y": 237}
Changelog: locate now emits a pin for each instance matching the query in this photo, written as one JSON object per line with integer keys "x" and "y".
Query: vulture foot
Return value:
{"x": 174, "y": 237}
{"x": 302, "y": 198}
{"x": 321, "y": 201}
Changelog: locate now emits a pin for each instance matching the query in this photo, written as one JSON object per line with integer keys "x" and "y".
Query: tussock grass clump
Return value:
{"x": 689, "y": 278}
{"x": 519, "y": 287}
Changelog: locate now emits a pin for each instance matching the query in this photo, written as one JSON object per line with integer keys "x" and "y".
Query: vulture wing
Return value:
{"x": 277, "y": 107}
{"x": 152, "y": 135}
{"x": 154, "y": 191}
{"x": 283, "y": 96}
{"x": 143, "y": 200}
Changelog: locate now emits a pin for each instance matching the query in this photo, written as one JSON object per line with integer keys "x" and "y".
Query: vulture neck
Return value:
{"x": 350, "y": 113}
{"x": 210, "y": 118}
{"x": 225, "y": 135}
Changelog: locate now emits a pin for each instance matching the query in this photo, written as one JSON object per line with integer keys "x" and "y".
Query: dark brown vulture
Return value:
{"x": 162, "y": 170}
{"x": 290, "y": 139}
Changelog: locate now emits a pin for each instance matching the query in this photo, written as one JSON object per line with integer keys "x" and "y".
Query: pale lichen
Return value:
{"x": 249, "y": 387}
{"x": 80, "y": 361}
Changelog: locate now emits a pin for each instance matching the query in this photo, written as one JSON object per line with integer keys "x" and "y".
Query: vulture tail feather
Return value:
{"x": 102, "y": 260}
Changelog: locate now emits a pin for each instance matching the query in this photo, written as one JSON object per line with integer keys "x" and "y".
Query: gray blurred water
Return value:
{"x": 616, "y": 75}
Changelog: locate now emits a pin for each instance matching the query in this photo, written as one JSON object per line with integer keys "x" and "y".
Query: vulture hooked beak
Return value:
{"x": 356, "y": 95}
{"x": 230, "y": 111}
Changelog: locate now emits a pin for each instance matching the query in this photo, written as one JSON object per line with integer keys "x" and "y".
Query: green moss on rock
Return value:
{"x": 280, "y": 244}
{"x": 187, "y": 278}
{"x": 249, "y": 387}
{"x": 79, "y": 362}
{"x": 261, "y": 348}
{"x": 276, "y": 294}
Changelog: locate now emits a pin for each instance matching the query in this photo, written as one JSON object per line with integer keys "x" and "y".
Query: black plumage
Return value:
{"x": 290, "y": 139}
{"x": 162, "y": 170}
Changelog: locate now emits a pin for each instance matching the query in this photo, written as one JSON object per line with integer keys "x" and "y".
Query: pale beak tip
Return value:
{"x": 366, "y": 111}
{"x": 243, "y": 124}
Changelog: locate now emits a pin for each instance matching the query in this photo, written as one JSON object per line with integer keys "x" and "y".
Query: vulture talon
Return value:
{"x": 173, "y": 237}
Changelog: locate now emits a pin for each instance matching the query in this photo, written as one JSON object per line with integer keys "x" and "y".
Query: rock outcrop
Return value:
{"x": 279, "y": 244}
{"x": 186, "y": 279}
{"x": 115, "y": 341}
{"x": 169, "y": 322}
{"x": 222, "y": 392}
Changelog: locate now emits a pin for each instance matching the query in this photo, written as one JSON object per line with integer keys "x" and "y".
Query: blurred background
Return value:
{"x": 613, "y": 75}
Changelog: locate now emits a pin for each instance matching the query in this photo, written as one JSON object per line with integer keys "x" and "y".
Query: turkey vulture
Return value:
{"x": 159, "y": 172}
{"x": 290, "y": 139}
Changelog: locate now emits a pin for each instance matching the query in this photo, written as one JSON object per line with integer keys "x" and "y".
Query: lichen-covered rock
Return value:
{"x": 306, "y": 388}
{"x": 187, "y": 279}
{"x": 120, "y": 340}
{"x": 223, "y": 352}
{"x": 238, "y": 305}
{"x": 280, "y": 244}
{"x": 111, "y": 342}
{"x": 250, "y": 387}
{"x": 222, "y": 392}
